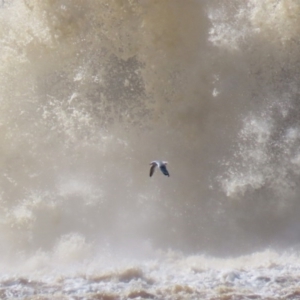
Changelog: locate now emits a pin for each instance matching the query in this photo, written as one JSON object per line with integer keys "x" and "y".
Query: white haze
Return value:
{"x": 92, "y": 91}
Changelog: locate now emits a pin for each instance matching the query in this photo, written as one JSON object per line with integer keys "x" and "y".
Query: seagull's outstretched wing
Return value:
{"x": 163, "y": 168}
{"x": 152, "y": 169}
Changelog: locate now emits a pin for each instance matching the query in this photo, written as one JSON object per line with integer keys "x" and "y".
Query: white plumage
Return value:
{"x": 160, "y": 164}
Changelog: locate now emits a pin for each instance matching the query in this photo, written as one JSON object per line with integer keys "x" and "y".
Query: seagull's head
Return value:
{"x": 165, "y": 162}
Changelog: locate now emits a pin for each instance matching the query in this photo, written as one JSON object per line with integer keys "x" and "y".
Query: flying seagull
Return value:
{"x": 160, "y": 164}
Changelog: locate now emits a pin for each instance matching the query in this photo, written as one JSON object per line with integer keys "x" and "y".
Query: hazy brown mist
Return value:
{"x": 91, "y": 92}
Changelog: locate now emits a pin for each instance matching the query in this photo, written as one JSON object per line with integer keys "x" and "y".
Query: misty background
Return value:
{"x": 92, "y": 92}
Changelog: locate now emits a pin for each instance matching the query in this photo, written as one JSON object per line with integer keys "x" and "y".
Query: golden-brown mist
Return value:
{"x": 92, "y": 91}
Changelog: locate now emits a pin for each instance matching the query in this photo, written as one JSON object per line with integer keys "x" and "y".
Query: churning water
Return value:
{"x": 92, "y": 91}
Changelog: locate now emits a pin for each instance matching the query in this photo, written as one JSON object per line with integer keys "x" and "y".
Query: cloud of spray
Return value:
{"x": 90, "y": 93}
{"x": 263, "y": 171}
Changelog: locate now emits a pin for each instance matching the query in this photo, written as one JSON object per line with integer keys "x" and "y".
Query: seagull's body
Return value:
{"x": 160, "y": 164}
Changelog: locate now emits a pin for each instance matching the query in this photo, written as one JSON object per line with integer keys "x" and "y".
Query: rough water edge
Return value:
{"x": 265, "y": 275}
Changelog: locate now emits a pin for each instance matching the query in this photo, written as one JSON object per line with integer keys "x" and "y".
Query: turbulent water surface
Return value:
{"x": 92, "y": 91}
